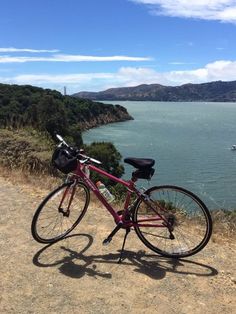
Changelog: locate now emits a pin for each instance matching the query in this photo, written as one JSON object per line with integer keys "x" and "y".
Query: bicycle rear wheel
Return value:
{"x": 60, "y": 212}
{"x": 172, "y": 221}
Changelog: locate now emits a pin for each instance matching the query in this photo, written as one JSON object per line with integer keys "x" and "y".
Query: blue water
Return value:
{"x": 189, "y": 141}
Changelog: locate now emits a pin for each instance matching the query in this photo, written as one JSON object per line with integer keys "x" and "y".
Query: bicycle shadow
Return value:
{"x": 77, "y": 264}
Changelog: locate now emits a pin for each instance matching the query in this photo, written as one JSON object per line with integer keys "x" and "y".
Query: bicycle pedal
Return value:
{"x": 106, "y": 241}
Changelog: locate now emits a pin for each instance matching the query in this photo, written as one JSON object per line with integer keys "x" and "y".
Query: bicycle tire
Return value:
{"x": 188, "y": 215}
{"x": 52, "y": 220}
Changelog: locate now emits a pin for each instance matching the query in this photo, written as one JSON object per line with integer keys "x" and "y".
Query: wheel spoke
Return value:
{"x": 51, "y": 224}
{"x": 187, "y": 217}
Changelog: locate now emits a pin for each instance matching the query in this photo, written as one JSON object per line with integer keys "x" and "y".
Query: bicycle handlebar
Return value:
{"x": 77, "y": 152}
{"x": 90, "y": 159}
{"x": 61, "y": 139}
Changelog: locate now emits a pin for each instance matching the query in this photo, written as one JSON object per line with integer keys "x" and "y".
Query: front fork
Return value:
{"x": 71, "y": 190}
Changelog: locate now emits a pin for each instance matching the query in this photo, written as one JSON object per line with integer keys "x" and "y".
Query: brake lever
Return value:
{"x": 87, "y": 158}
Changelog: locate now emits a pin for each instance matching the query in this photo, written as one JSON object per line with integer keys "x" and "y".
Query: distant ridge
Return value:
{"x": 212, "y": 91}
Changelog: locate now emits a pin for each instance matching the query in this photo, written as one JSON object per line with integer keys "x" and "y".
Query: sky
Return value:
{"x": 93, "y": 45}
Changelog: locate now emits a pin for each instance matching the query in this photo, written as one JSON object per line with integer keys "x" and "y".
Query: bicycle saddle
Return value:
{"x": 140, "y": 163}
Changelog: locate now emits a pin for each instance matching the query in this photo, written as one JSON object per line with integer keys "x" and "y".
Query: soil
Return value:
{"x": 80, "y": 275}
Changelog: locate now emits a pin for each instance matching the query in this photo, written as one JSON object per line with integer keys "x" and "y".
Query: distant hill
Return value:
{"x": 213, "y": 91}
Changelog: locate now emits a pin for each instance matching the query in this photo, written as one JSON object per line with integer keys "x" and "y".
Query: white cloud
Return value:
{"x": 224, "y": 70}
{"x": 74, "y": 82}
{"x": 79, "y": 58}
{"x": 12, "y": 49}
{"x": 218, "y": 70}
{"x": 221, "y": 10}
{"x": 69, "y": 58}
{"x": 58, "y": 79}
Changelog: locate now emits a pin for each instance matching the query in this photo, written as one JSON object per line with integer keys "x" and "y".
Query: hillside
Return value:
{"x": 31, "y": 116}
{"x": 49, "y": 111}
{"x": 213, "y": 91}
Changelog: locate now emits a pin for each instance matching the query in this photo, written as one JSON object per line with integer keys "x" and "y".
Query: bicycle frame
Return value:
{"x": 130, "y": 185}
{"x": 173, "y": 208}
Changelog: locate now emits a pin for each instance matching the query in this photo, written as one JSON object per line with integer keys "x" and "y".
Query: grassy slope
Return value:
{"x": 25, "y": 149}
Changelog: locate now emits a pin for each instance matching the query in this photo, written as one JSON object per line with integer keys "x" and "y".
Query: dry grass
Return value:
{"x": 36, "y": 183}
{"x": 224, "y": 225}
{"x": 25, "y": 149}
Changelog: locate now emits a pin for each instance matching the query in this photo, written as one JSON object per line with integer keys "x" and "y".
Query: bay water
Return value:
{"x": 190, "y": 141}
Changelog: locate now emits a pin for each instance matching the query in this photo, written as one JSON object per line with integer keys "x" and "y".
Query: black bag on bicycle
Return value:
{"x": 64, "y": 160}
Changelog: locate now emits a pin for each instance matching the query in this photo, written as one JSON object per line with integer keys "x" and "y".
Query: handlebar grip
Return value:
{"x": 95, "y": 161}
{"x": 90, "y": 159}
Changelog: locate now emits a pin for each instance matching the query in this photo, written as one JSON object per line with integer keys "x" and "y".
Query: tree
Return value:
{"x": 110, "y": 158}
{"x": 52, "y": 116}
{"x": 74, "y": 135}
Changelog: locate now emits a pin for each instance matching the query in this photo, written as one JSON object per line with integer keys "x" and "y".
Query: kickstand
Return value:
{"x": 123, "y": 246}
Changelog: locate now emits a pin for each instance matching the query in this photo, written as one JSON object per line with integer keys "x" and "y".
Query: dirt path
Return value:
{"x": 79, "y": 275}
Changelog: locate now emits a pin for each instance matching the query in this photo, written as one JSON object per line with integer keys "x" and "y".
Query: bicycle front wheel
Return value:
{"x": 172, "y": 221}
{"x": 60, "y": 212}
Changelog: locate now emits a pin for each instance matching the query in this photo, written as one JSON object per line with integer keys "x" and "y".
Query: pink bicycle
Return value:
{"x": 169, "y": 220}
